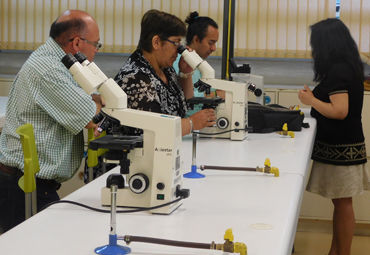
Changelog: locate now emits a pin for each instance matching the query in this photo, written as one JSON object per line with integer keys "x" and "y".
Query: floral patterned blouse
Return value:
{"x": 146, "y": 91}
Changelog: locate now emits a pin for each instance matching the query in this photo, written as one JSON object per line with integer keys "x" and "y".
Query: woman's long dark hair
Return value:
{"x": 331, "y": 43}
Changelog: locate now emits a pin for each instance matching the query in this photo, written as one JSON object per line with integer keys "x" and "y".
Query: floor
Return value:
{"x": 307, "y": 243}
{"x": 314, "y": 238}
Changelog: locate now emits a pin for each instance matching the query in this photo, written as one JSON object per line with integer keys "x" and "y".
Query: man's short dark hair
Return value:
{"x": 61, "y": 32}
{"x": 198, "y": 26}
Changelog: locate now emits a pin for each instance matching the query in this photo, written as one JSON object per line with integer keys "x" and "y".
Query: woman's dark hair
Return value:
{"x": 159, "y": 23}
{"x": 331, "y": 43}
{"x": 61, "y": 32}
{"x": 198, "y": 26}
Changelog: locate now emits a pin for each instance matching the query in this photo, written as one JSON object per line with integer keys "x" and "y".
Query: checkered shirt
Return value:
{"x": 45, "y": 94}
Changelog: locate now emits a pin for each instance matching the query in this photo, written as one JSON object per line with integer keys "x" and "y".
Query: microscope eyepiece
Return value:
{"x": 80, "y": 57}
{"x": 181, "y": 48}
{"x": 68, "y": 60}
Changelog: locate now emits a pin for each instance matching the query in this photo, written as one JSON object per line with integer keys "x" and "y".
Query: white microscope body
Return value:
{"x": 233, "y": 113}
{"x": 158, "y": 160}
{"x": 254, "y": 79}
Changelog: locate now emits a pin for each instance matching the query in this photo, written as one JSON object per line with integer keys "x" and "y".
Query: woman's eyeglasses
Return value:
{"x": 174, "y": 43}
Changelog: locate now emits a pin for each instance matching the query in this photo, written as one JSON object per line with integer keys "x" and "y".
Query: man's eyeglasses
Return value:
{"x": 174, "y": 43}
{"x": 97, "y": 45}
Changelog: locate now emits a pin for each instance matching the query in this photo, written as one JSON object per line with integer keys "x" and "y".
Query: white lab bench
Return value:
{"x": 290, "y": 155}
{"x": 261, "y": 209}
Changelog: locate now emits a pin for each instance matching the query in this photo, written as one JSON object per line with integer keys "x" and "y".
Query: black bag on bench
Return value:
{"x": 272, "y": 117}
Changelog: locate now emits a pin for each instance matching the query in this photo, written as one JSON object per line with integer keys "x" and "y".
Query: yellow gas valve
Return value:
{"x": 285, "y": 131}
{"x": 230, "y": 246}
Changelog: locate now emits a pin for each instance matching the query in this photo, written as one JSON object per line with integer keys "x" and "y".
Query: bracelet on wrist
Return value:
{"x": 186, "y": 75}
{"x": 191, "y": 125}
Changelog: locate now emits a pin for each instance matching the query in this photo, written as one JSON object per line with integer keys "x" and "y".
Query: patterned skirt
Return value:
{"x": 333, "y": 181}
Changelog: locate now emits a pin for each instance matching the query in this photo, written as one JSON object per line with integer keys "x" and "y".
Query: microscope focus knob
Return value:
{"x": 160, "y": 185}
{"x": 222, "y": 123}
{"x": 258, "y": 92}
{"x": 139, "y": 183}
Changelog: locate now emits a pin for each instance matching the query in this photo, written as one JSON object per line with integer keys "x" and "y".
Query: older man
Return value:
{"x": 45, "y": 95}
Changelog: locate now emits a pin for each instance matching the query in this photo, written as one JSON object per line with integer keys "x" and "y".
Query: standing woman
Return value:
{"x": 148, "y": 78}
{"x": 339, "y": 169}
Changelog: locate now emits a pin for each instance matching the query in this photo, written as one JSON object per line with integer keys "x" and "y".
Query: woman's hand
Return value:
{"x": 337, "y": 108}
{"x": 306, "y": 96}
{"x": 203, "y": 118}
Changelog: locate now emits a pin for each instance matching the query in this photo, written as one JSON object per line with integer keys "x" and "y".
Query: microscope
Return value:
{"x": 243, "y": 74}
{"x": 151, "y": 162}
{"x": 232, "y": 113}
